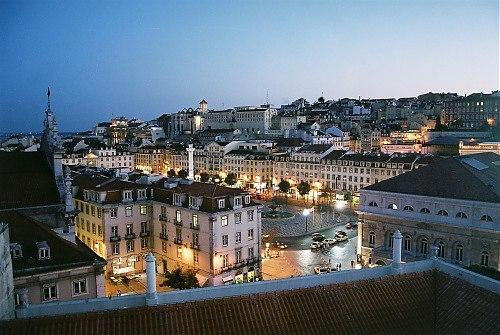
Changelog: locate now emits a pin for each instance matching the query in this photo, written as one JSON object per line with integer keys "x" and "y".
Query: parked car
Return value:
{"x": 316, "y": 245}
{"x": 341, "y": 238}
{"x": 317, "y": 237}
{"x": 340, "y": 232}
{"x": 321, "y": 269}
{"x": 329, "y": 241}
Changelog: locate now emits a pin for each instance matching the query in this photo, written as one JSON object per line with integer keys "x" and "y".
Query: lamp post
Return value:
{"x": 306, "y": 213}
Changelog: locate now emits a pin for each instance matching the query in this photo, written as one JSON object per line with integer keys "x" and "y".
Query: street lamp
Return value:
{"x": 306, "y": 213}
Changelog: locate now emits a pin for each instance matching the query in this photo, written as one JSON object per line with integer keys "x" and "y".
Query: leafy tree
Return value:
{"x": 181, "y": 280}
{"x": 171, "y": 173}
{"x": 230, "y": 179}
{"x": 204, "y": 177}
{"x": 284, "y": 186}
{"x": 439, "y": 125}
{"x": 182, "y": 174}
{"x": 304, "y": 188}
{"x": 321, "y": 99}
{"x": 326, "y": 193}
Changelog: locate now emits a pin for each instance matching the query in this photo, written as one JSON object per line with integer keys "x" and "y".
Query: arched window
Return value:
{"x": 425, "y": 210}
{"x": 486, "y": 218}
{"x": 391, "y": 240}
{"x": 459, "y": 252}
{"x": 424, "y": 246}
{"x": 441, "y": 249}
{"x": 407, "y": 243}
{"x": 461, "y": 215}
{"x": 372, "y": 238}
{"x": 408, "y": 208}
{"x": 373, "y": 204}
{"x": 392, "y": 206}
{"x": 485, "y": 258}
{"x": 442, "y": 212}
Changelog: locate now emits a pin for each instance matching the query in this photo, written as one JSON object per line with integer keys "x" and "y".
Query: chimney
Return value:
{"x": 151, "y": 296}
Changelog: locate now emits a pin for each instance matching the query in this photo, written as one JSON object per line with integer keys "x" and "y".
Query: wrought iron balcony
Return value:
{"x": 163, "y": 217}
{"x": 178, "y": 222}
{"x": 178, "y": 240}
{"x": 195, "y": 246}
{"x": 130, "y": 236}
{"x": 163, "y": 236}
{"x": 197, "y": 227}
{"x": 116, "y": 238}
{"x": 144, "y": 233}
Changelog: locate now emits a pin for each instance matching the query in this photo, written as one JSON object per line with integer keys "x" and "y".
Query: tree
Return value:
{"x": 171, "y": 173}
{"x": 182, "y": 174}
{"x": 303, "y": 188}
{"x": 321, "y": 99}
{"x": 204, "y": 177}
{"x": 230, "y": 179}
{"x": 216, "y": 179}
{"x": 284, "y": 186}
{"x": 327, "y": 193}
{"x": 439, "y": 126}
{"x": 181, "y": 280}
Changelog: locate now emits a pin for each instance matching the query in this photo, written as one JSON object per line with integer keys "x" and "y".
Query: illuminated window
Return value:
{"x": 223, "y": 220}
{"x": 144, "y": 209}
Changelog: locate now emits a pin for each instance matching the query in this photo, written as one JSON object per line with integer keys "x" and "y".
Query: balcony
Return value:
{"x": 195, "y": 246}
{"x": 116, "y": 238}
{"x": 178, "y": 240}
{"x": 144, "y": 233}
{"x": 130, "y": 236}
{"x": 197, "y": 227}
{"x": 163, "y": 217}
{"x": 163, "y": 236}
{"x": 178, "y": 223}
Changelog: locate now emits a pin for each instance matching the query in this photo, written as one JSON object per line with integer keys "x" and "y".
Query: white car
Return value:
{"x": 330, "y": 241}
{"x": 321, "y": 269}
{"x": 316, "y": 245}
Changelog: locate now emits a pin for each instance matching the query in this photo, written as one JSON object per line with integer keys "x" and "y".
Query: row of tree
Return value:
{"x": 230, "y": 179}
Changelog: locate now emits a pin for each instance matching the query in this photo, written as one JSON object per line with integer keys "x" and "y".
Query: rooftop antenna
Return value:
{"x": 267, "y": 97}
{"x": 48, "y": 98}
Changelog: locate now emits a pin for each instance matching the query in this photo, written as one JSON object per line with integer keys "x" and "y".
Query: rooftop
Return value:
{"x": 29, "y": 233}
{"x": 472, "y": 177}
{"x": 29, "y": 179}
{"x": 423, "y": 297}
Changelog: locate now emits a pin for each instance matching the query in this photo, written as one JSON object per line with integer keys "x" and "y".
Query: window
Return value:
{"x": 115, "y": 248}
{"x": 408, "y": 208}
{"x": 130, "y": 229}
{"x": 178, "y": 234}
{"x": 130, "y": 246}
{"x": 92, "y": 210}
{"x": 407, "y": 243}
{"x": 391, "y": 240}
{"x": 222, "y": 203}
{"x": 178, "y": 216}
{"x": 250, "y": 253}
{"x": 144, "y": 209}
{"x": 484, "y": 258}
{"x": 373, "y": 204}
{"x": 371, "y": 238}
{"x": 423, "y": 246}
{"x": 392, "y": 206}
{"x": 99, "y": 230}
{"x": 43, "y": 250}
{"x": 461, "y": 215}
{"x": 247, "y": 199}
{"x": 225, "y": 261}
{"x": 237, "y": 218}
{"x": 177, "y": 199}
{"x": 49, "y": 292}
{"x": 238, "y": 237}
{"x": 163, "y": 229}
{"x": 196, "y": 257}
{"x": 144, "y": 227}
{"x": 141, "y": 194}
{"x": 238, "y": 256}
{"x": 144, "y": 243}
{"x": 442, "y": 212}
{"x": 196, "y": 242}
{"x": 127, "y": 195}
{"x": 93, "y": 228}
{"x": 250, "y": 215}
{"x": 441, "y": 249}
{"x": 88, "y": 226}
{"x": 425, "y": 210}
{"x": 459, "y": 253}
{"x": 237, "y": 201}
{"x": 113, "y": 212}
{"x": 79, "y": 286}
{"x": 225, "y": 240}
{"x": 250, "y": 234}
{"x": 114, "y": 231}
{"x": 179, "y": 252}
{"x": 16, "y": 250}
{"x": 223, "y": 220}
{"x": 486, "y": 218}
{"x": 163, "y": 246}
{"x": 128, "y": 211}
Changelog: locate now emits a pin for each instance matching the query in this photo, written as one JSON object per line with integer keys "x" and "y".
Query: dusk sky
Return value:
{"x": 143, "y": 59}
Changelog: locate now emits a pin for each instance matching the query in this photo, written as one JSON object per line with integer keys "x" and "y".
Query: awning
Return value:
{"x": 226, "y": 280}
{"x": 202, "y": 280}
{"x": 119, "y": 271}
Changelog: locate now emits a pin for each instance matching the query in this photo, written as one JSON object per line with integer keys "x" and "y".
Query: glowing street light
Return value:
{"x": 306, "y": 213}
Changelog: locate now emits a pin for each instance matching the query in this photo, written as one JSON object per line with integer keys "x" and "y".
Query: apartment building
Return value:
{"x": 210, "y": 228}
{"x": 472, "y": 111}
{"x": 150, "y": 159}
{"x": 114, "y": 220}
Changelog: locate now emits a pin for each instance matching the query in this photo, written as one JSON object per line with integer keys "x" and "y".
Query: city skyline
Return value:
{"x": 127, "y": 64}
